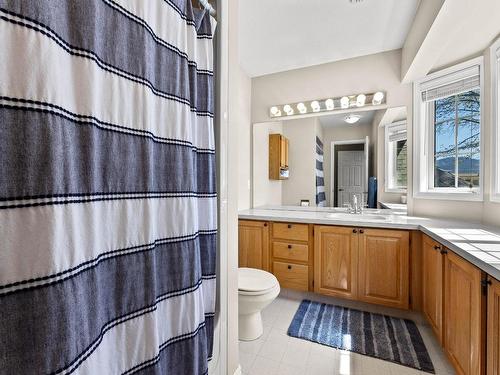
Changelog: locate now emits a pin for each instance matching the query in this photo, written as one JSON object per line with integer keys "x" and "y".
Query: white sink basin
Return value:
{"x": 357, "y": 217}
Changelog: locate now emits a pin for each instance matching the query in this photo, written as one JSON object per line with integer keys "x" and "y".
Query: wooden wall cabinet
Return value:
{"x": 463, "y": 315}
{"x": 432, "y": 285}
{"x": 370, "y": 265}
{"x": 278, "y": 157}
{"x": 253, "y": 244}
{"x": 493, "y": 339}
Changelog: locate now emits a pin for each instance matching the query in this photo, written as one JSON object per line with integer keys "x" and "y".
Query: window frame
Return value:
{"x": 388, "y": 170}
{"x": 495, "y": 121}
{"x": 423, "y": 136}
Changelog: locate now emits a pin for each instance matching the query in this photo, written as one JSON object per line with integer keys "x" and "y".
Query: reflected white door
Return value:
{"x": 351, "y": 176}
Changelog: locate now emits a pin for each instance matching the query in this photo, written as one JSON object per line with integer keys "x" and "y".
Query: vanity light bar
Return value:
{"x": 327, "y": 105}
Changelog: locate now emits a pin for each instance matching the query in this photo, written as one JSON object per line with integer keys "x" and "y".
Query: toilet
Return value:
{"x": 256, "y": 290}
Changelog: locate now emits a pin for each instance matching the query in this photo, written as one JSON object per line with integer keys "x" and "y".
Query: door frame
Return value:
{"x": 366, "y": 142}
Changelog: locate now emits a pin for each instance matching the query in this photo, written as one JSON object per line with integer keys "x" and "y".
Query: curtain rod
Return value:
{"x": 208, "y": 7}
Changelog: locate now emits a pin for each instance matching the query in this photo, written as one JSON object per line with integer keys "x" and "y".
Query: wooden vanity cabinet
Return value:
{"x": 336, "y": 261}
{"x": 253, "y": 244}
{"x": 463, "y": 315}
{"x": 384, "y": 267}
{"x": 292, "y": 255}
{"x": 432, "y": 285}
{"x": 493, "y": 339}
{"x": 370, "y": 265}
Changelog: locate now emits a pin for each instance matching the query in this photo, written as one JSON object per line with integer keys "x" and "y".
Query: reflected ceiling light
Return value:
{"x": 301, "y": 107}
{"x": 352, "y": 119}
{"x": 377, "y": 98}
{"x": 315, "y": 106}
{"x": 344, "y": 102}
{"x": 329, "y": 104}
{"x": 360, "y": 100}
{"x": 288, "y": 109}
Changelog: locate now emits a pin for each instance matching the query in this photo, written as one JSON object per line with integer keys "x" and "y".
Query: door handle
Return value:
{"x": 289, "y": 267}
{"x": 289, "y": 246}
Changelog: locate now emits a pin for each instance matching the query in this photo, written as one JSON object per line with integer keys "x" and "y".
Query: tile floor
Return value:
{"x": 276, "y": 353}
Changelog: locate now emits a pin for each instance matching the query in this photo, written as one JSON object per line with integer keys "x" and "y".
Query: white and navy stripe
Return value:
{"x": 107, "y": 188}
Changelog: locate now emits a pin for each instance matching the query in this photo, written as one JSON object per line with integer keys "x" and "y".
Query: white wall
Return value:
{"x": 301, "y": 184}
{"x": 244, "y": 123}
{"x": 340, "y": 133}
{"x": 265, "y": 191}
{"x": 362, "y": 74}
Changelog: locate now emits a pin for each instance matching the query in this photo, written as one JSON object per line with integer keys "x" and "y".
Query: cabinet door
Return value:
{"x": 383, "y": 273}
{"x": 283, "y": 152}
{"x": 335, "y": 261}
{"x": 432, "y": 285}
{"x": 253, "y": 244}
{"x": 462, "y": 306}
{"x": 493, "y": 332}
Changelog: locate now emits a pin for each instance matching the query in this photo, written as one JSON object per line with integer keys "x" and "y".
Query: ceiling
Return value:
{"x": 279, "y": 35}
{"x": 336, "y": 120}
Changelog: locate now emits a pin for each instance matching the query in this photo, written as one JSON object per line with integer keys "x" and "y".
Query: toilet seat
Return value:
{"x": 255, "y": 282}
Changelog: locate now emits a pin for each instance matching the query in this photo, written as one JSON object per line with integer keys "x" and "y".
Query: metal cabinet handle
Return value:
{"x": 444, "y": 251}
{"x": 289, "y": 267}
{"x": 289, "y": 226}
{"x": 289, "y": 246}
{"x": 437, "y": 247}
{"x": 354, "y": 231}
{"x": 361, "y": 231}
{"x": 265, "y": 224}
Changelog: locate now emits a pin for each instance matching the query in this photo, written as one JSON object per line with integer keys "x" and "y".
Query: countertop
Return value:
{"x": 393, "y": 206}
{"x": 477, "y": 243}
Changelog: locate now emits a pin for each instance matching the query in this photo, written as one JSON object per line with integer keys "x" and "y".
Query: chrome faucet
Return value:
{"x": 355, "y": 207}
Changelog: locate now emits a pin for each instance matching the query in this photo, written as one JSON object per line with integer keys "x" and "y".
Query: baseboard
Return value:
{"x": 238, "y": 370}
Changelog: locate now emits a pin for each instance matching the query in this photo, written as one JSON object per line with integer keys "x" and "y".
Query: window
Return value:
{"x": 495, "y": 85}
{"x": 448, "y": 143}
{"x": 396, "y": 145}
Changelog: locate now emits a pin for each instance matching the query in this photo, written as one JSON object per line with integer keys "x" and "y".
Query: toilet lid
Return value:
{"x": 254, "y": 280}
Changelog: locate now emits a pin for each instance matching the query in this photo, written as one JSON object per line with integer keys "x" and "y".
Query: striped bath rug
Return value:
{"x": 376, "y": 335}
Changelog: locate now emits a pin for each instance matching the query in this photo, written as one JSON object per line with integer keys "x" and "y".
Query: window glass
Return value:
{"x": 457, "y": 140}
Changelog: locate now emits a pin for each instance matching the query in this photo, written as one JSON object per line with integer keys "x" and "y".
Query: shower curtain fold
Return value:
{"x": 108, "y": 195}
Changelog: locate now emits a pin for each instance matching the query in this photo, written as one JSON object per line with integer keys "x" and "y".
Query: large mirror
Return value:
{"x": 331, "y": 160}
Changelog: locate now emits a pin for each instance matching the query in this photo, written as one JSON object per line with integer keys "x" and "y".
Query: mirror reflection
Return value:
{"x": 334, "y": 160}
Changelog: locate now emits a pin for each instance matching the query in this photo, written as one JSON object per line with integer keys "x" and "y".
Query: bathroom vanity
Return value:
{"x": 438, "y": 268}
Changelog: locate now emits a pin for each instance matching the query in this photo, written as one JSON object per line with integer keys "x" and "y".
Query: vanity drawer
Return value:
{"x": 292, "y": 276}
{"x": 291, "y": 231}
{"x": 291, "y": 251}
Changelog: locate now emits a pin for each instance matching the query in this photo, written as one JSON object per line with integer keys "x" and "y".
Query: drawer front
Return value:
{"x": 291, "y": 251}
{"x": 292, "y": 276}
{"x": 291, "y": 231}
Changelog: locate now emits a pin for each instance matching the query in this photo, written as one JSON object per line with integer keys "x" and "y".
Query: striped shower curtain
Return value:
{"x": 107, "y": 187}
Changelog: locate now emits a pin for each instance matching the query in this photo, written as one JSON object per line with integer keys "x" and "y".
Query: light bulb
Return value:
{"x": 302, "y": 108}
{"x": 377, "y": 98}
{"x": 329, "y": 104}
{"x": 344, "y": 102}
{"x": 288, "y": 109}
{"x": 274, "y": 111}
{"x": 315, "y": 106}
{"x": 360, "y": 100}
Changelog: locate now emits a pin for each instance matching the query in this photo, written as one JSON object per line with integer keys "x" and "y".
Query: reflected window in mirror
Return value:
{"x": 396, "y": 145}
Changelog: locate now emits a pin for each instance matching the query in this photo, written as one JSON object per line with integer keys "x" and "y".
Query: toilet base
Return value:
{"x": 250, "y": 326}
